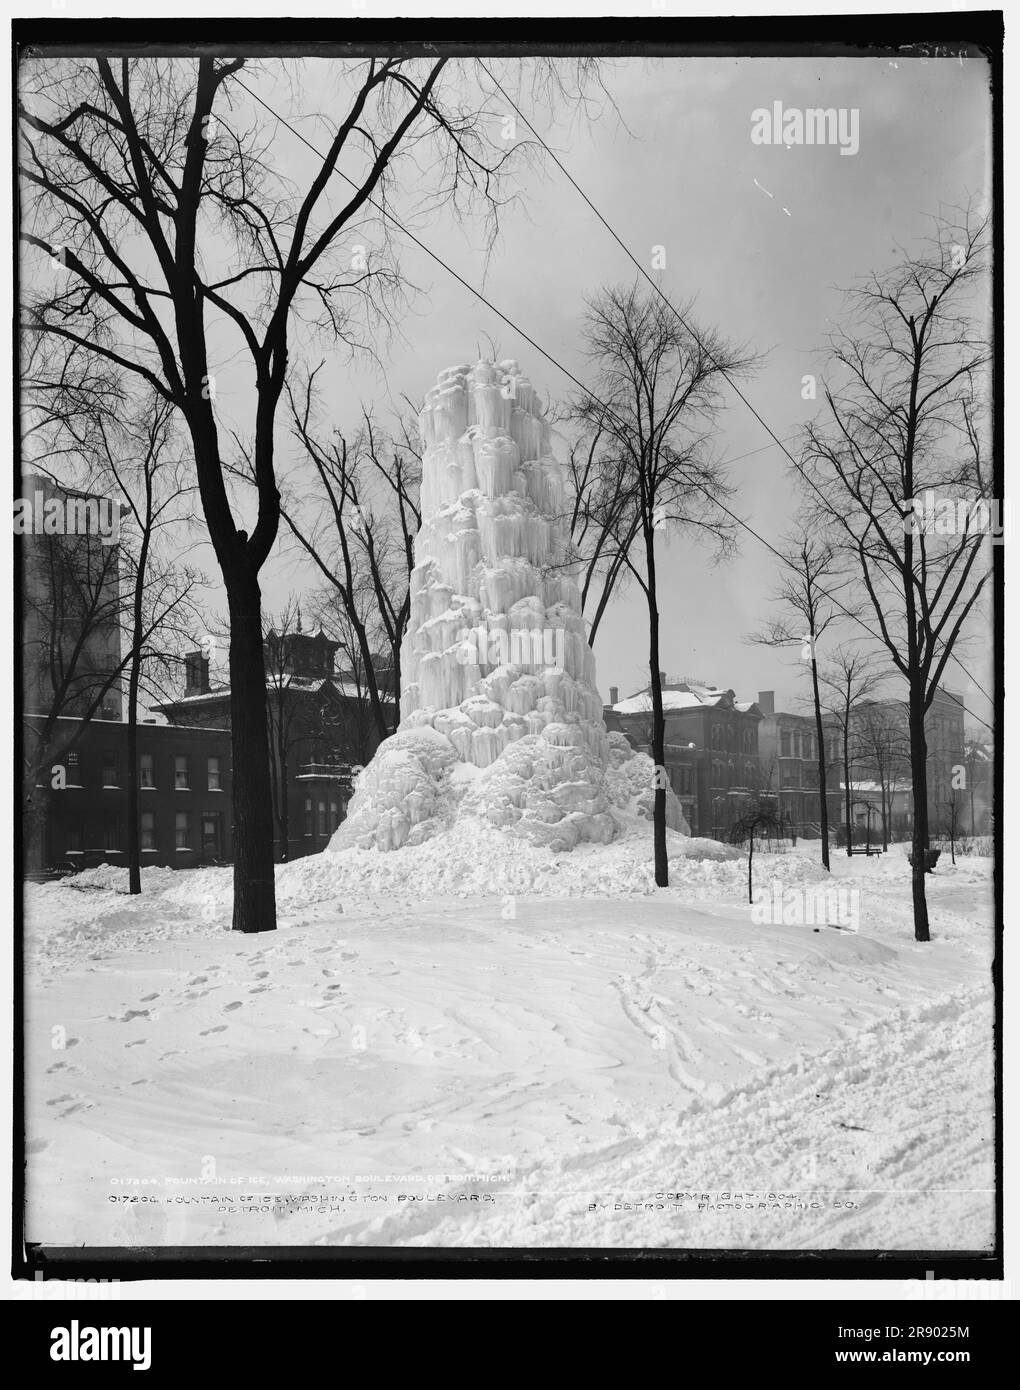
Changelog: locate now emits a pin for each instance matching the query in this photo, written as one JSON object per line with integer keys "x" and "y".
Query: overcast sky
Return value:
{"x": 683, "y": 173}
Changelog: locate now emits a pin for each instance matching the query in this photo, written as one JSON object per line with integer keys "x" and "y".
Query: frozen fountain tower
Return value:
{"x": 500, "y": 718}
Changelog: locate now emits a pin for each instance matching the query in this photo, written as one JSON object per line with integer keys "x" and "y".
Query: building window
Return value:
{"x": 72, "y": 839}
{"x": 111, "y": 833}
{"x": 73, "y": 779}
{"x": 182, "y": 830}
{"x": 323, "y": 823}
{"x": 211, "y": 838}
{"x": 146, "y": 771}
{"x": 334, "y": 814}
{"x": 109, "y": 770}
{"x": 148, "y": 828}
{"x": 215, "y": 784}
{"x": 785, "y": 742}
{"x": 181, "y": 772}
{"x": 308, "y": 816}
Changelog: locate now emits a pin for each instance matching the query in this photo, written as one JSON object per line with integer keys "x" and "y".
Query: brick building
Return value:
{"x": 788, "y": 751}
{"x": 320, "y": 730}
{"x": 184, "y": 795}
{"x": 883, "y": 764}
{"x": 711, "y": 748}
{"x": 71, "y": 608}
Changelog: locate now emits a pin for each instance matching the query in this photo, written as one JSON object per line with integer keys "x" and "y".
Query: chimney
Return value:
{"x": 614, "y": 694}
{"x": 196, "y": 674}
{"x": 767, "y": 701}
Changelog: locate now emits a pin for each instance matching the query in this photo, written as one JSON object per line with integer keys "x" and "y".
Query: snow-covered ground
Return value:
{"x": 477, "y": 1042}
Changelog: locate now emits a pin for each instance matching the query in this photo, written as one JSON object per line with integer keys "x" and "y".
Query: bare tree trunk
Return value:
{"x": 658, "y": 723}
{"x": 750, "y": 857}
{"x": 846, "y": 785}
{"x": 284, "y": 803}
{"x": 254, "y": 879}
{"x": 823, "y": 805}
{"x": 134, "y": 848}
{"x": 919, "y": 780}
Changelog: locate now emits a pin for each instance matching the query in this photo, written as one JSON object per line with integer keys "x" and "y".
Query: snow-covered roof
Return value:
{"x": 671, "y": 700}
{"x": 690, "y": 697}
{"x": 303, "y": 684}
{"x": 894, "y": 785}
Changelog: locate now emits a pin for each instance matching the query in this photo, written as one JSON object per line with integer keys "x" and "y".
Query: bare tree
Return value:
{"x": 805, "y": 597}
{"x": 149, "y": 181}
{"x": 351, "y": 726}
{"x": 603, "y": 522}
{"x": 849, "y": 678}
{"x": 142, "y": 459}
{"x": 93, "y": 614}
{"x": 654, "y": 403}
{"x": 880, "y": 735}
{"x": 359, "y": 532}
{"x": 906, "y": 420}
{"x": 762, "y": 819}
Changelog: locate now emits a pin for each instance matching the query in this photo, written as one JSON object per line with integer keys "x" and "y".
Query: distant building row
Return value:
{"x": 723, "y": 753}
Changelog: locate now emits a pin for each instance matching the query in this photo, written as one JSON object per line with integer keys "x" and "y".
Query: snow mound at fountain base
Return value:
{"x": 549, "y": 789}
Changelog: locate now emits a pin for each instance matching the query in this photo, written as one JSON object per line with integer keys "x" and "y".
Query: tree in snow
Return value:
{"x": 763, "y": 819}
{"x": 804, "y": 597}
{"x": 653, "y": 406}
{"x": 156, "y": 186}
{"x": 906, "y": 421}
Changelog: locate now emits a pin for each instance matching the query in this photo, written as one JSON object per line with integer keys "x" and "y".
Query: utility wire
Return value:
{"x": 688, "y": 329}
{"x": 385, "y": 212}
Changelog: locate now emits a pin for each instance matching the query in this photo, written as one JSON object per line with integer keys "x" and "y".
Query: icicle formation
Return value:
{"x": 500, "y": 718}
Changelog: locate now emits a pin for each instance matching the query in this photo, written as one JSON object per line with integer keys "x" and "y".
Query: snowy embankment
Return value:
{"x": 462, "y": 1044}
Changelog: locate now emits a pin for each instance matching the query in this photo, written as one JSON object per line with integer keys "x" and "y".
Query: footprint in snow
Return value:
{"x": 220, "y": 1028}
{"x": 73, "y": 1109}
{"x": 148, "y": 998}
{"x": 137, "y": 1042}
{"x": 234, "y": 1004}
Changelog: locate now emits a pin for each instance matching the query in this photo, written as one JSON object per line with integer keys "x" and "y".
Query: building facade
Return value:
{"x": 880, "y": 736}
{"x": 319, "y": 729}
{"x": 711, "y": 748}
{"x": 184, "y": 795}
{"x": 72, "y": 607}
{"x": 788, "y": 751}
